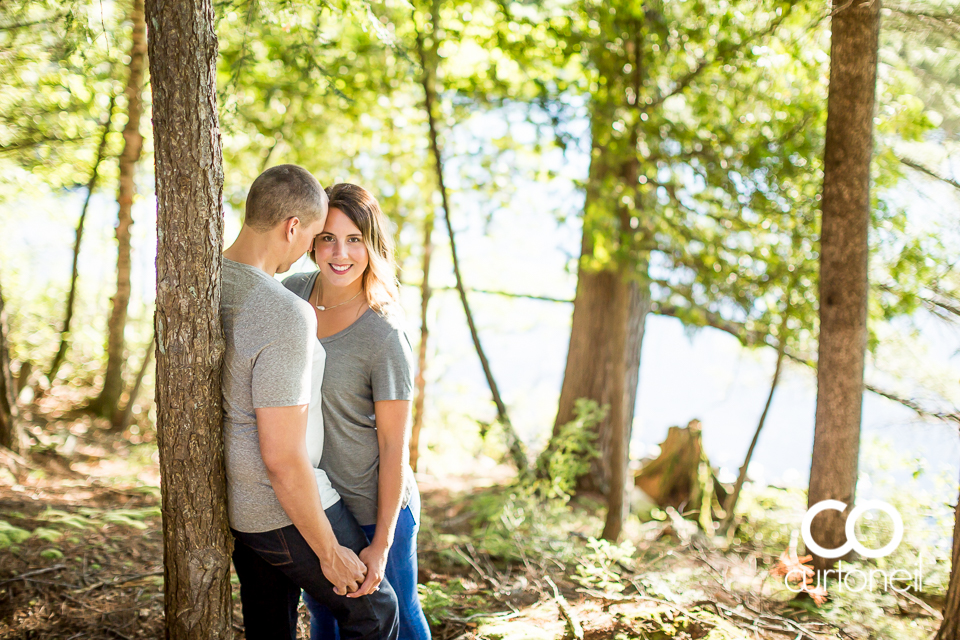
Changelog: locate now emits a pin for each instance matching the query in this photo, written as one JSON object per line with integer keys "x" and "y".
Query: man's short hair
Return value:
{"x": 282, "y": 192}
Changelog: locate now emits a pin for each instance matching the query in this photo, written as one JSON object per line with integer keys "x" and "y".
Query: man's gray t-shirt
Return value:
{"x": 271, "y": 343}
{"x": 369, "y": 361}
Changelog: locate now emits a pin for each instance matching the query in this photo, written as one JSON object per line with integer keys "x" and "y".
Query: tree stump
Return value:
{"x": 681, "y": 476}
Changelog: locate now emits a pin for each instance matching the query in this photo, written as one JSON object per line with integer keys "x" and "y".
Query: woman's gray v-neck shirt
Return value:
{"x": 369, "y": 361}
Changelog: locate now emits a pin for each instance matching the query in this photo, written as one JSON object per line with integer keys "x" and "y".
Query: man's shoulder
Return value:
{"x": 300, "y": 283}
{"x": 266, "y": 307}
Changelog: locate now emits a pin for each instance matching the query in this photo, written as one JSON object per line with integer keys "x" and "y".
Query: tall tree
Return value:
{"x": 676, "y": 181}
{"x": 189, "y": 177}
{"x": 845, "y": 223}
{"x": 9, "y": 427}
{"x": 950, "y": 627}
{"x": 106, "y": 404}
{"x": 429, "y": 62}
{"x": 58, "y": 358}
{"x": 420, "y": 381}
{"x": 603, "y": 361}
{"x": 427, "y": 79}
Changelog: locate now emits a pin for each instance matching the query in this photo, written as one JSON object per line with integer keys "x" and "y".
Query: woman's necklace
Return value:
{"x": 320, "y": 307}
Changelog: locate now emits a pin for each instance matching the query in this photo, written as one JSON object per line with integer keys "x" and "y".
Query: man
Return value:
{"x": 291, "y": 529}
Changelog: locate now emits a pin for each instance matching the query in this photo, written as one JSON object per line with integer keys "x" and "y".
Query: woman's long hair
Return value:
{"x": 380, "y": 277}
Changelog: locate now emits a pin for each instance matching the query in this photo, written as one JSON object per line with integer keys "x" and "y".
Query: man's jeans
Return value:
{"x": 401, "y": 571}
{"x": 275, "y": 565}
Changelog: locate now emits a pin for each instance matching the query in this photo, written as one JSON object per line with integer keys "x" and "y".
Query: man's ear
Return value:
{"x": 289, "y": 225}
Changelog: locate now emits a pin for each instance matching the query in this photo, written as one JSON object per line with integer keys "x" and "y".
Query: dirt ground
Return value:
{"x": 81, "y": 557}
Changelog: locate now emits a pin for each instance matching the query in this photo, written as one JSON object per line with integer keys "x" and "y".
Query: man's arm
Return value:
{"x": 282, "y": 432}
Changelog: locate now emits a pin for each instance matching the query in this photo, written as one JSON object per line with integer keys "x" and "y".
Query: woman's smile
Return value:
{"x": 339, "y": 269}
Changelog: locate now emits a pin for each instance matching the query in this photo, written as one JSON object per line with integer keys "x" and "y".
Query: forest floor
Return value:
{"x": 81, "y": 557}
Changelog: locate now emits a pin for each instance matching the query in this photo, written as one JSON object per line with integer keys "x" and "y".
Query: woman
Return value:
{"x": 367, "y": 390}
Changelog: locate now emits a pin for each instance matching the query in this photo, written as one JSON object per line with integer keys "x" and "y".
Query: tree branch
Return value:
{"x": 749, "y": 339}
{"x": 705, "y": 63}
{"x": 916, "y": 166}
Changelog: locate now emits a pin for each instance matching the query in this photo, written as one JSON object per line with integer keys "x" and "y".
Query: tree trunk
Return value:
{"x": 427, "y": 80}
{"x": 950, "y": 627}
{"x": 731, "y": 503}
{"x": 74, "y": 273}
{"x": 603, "y": 364}
{"x": 843, "y": 265}
{"x": 421, "y": 379}
{"x": 121, "y": 419}
{"x": 106, "y": 403}
{"x": 9, "y": 427}
{"x": 612, "y": 301}
{"x": 189, "y": 177}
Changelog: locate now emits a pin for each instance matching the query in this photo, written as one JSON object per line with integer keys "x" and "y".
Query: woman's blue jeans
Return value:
{"x": 401, "y": 572}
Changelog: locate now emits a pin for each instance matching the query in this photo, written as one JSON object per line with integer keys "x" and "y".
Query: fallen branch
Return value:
{"x": 116, "y": 582}
{"x": 491, "y": 581}
{"x": 573, "y": 623}
{"x": 36, "y": 572}
{"x": 920, "y": 603}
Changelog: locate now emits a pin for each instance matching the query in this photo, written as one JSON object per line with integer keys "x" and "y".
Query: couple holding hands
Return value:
{"x": 317, "y": 384}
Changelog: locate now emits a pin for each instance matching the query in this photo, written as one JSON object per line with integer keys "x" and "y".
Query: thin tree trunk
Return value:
{"x": 514, "y": 443}
{"x": 950, "y": 627}
{"x": 629, "y": 307}
{"x": 420, "y": 382}
{"x": 843, "y": 266}
{"x": 71, "y": 297}
{"x": 121, "y": 419}
{"x": 9, "y": 425}
{"x": 106, "y": 404}
{"x": 742, "y": 476}
{"x": 189, "y": 175}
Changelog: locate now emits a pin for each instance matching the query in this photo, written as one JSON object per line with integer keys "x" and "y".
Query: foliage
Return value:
{"x": 435, "y": 600}
{"x": 10, "y": 534}
{"x": 58, "y": 70}
{"x": 570, "y": 453}
{"x": 61, "y": 523}
{"x": 598, "y": 569}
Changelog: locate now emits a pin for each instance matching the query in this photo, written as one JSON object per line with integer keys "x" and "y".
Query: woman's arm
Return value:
{"x": 393, "y": 431}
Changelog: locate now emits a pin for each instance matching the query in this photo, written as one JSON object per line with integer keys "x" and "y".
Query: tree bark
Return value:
{"x": 74, "y": 273}
{"x": 189, "y": 176}
{"x": 514, "y": 443}
{"x": 603, "y": 364}
{"x": 9, "y": 425}
{"x": 420, "y": 382}
{"x": 843, "y": 265}
{"x": 950, "y": 627}
{"x": 106, "y": 404}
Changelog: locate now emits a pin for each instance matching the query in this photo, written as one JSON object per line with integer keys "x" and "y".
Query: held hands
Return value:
{"x": 344, "y": 570}
{"x": 375, "y": 559}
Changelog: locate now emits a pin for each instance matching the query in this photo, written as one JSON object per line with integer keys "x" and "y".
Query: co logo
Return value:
{"x": 852, "y": 543}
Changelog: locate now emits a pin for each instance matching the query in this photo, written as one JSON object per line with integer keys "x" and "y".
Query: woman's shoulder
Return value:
{"x": 389, "y": 326}
{"x": 390, "y": 318}
{"x": 300, "y": 283}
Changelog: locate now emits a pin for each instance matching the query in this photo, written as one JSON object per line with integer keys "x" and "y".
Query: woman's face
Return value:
{"x": 340, "y": 251}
